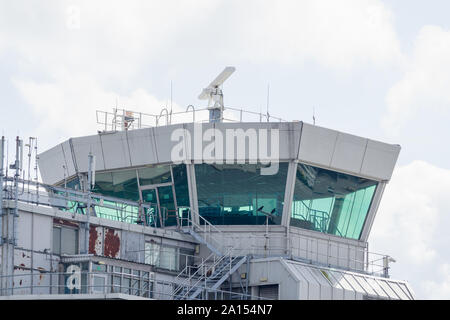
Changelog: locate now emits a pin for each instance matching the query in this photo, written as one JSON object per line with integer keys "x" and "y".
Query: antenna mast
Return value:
{"x": 268, "y": 96}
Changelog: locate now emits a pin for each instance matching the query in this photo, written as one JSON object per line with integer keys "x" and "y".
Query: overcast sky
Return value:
{"x": 378, "y": 69}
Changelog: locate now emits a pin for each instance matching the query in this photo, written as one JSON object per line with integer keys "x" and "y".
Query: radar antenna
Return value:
{"x": 213, "y": 93}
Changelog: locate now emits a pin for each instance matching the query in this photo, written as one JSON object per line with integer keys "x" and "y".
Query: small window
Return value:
{"x": 135, "y": 287}
{"x": 56, "y": 240}
{"x": 169, "y": 258}
{"x": 96, "y": 267}
{"x": 145, "y": 289}
{"x": 69, "y": 241}
{"x": 115, "y": 283}
{"x": 98, "y": 284}
{"x": 127, "y": 270}
{"x": 65, "y": 240}
{"x": 126, "y": 284}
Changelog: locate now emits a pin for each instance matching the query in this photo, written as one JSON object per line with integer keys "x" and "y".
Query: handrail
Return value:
{"x": 152, "y": 291}
{"x": 358, "y": 259}
{"x": 208, "y": 268}
{"x": 116, "y": 120}
{"x": 73, "y": 200}
{"x": 311, "y": 213}
{"x": 188, "y": 280}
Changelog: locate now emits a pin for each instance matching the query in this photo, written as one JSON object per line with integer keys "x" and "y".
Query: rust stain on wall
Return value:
{"x": 93, "y": 237}
{"x": 112, "y": 243}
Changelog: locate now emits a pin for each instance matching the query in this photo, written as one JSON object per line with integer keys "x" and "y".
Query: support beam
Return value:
{"x": 289, "y": 193}
{"x": 192, "y": 184}
{"x": 287, "y": 207}
{"x": 373, "y": 211}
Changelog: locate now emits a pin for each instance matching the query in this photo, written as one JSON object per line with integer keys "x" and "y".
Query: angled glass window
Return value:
{"x": 232, "y": 194}
{"x": 124, "y": 184}
{"x": 118, "y": 184}
{"x": 154, "y": 175}
{"x": 331, "y": 202}
{"x": 181, "y": 185}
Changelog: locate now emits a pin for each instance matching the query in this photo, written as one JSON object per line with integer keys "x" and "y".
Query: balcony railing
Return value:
{"x": 305, "y": 248}
{"x": 122, "y": 119}
{"x": 95, "y": 283}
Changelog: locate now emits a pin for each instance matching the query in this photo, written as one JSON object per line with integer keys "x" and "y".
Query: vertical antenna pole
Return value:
{"x": 314, "y": 116}
{"x": 12, "y": 221}
{"x": 29, "y": 145}
{"x": 171, "y": 101}
{"x": 268, "y": 96}
{"x": 36, "y": 158}
{"x": 91, "y": 181}
{"x": 2, "y": 156}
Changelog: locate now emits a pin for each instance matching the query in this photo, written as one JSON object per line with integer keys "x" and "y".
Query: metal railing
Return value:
{"x": 311, "y": 250}
{"x": 320, "y": 220}
{"x": 308, "y": 249}
{"x": 122, "y": 119}
{"x": 322, "y": 252}
{"x": 91, "y": 283}
{"x": 205, "y": 229}
{"x": 76, "y": 202}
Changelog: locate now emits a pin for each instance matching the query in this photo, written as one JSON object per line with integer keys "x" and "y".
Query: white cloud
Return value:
{"x": 426, "y": 81}
{"x": 66, "y": 72}
{"x": 335, "y": 34}
{"x": 439, "y": 289}
{"x": 118, "y": 38}
{"x": 412, "y": 226}
{"x": 65, "y": 107}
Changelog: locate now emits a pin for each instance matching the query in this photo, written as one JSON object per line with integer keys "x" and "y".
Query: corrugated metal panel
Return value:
{"x": 323, "y": 282}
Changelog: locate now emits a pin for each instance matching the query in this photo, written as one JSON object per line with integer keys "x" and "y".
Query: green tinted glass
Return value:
{"x": 331, "y": 202}
{"x": 154, "y": 175}
{"x": 232, "y": 194}
{"x": 118, "y": 184}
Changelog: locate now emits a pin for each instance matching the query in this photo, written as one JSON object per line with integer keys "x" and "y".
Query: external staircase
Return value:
{"x": 214, "y": 270}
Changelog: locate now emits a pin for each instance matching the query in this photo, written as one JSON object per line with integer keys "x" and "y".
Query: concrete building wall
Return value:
{"x": 272, "y": 272}
{"x": 301, "y": 244}
{"x": 34, "y": 260}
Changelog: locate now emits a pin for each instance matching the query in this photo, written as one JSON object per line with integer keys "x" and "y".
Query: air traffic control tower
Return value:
{"x": 214, "y": 203}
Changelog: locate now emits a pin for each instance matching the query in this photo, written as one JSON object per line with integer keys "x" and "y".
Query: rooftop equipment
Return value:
{"x": 213, "y": 93}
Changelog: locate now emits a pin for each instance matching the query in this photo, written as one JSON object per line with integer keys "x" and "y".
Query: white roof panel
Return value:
{"x": 353, "y": 284}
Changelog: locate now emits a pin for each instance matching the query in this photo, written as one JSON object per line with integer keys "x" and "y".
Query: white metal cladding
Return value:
{"x": 326, "y": 283}
{"x": 344, "y": 152}
{"x": 115, "y": 150}
{"x": 141, "y": 146}
{"x": 51, "y": 164}
{"x": 68, "y": 158}
{"x": 299, "y": 141}
{"x": 80, "y": 151}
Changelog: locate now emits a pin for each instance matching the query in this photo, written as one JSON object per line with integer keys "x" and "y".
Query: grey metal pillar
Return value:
{"x": 2, "y": 233}
{"x": 288, "y": 197}
{"x": 91, "y": 181}
{"x": 2, "y": 157}
{"x": 373, "y": 210}
{"x": 192, "y": 184}
{"x": 289, "y": 193}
